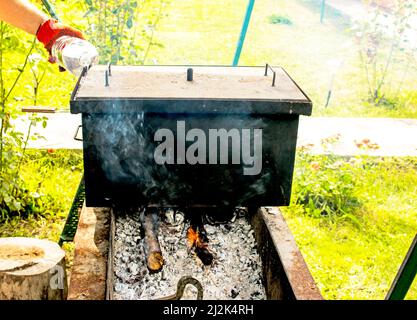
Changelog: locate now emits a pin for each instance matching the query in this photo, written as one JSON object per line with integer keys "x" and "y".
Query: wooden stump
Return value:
{"x": 32, "y": 269}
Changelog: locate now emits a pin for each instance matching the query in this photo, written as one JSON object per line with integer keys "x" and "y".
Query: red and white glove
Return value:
{"x": 50, "y": 30}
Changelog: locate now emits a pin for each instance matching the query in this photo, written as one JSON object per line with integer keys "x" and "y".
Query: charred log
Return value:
{"x": 219, "y": 215}
{"x": 153, "y": 253}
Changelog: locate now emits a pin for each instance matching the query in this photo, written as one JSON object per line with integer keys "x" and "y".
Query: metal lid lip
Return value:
{"x": 189, "y": 104}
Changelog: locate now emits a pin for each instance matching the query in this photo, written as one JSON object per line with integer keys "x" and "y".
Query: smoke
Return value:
{"x": 123, "y": 145}
{"x": 124, "y": 153}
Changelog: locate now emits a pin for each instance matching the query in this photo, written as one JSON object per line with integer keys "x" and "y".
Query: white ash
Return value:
{"x": 234, "y": 274}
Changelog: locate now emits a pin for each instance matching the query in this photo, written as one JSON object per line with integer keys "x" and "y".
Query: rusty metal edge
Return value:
{"x": 110, "y": 258}
{"x": 296, "y": 270}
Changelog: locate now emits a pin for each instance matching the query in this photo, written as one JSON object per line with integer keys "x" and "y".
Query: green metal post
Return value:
{"x": 50, "y": 8}
{"x": 405, "y": 275}
{"x": 323, "y": 9}
{"x": 242, "y": 36}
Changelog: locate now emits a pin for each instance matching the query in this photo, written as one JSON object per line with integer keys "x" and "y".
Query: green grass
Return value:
{"x": 201, "y": 32}
{"x": 55, "y": 177}
{"x": 359, "y": 260}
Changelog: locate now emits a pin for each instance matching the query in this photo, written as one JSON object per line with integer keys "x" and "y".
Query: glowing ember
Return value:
{"x": 195, "y": 241}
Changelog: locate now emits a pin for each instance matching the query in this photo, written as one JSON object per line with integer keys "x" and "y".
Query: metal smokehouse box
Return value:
{"x": 171, "y": 136}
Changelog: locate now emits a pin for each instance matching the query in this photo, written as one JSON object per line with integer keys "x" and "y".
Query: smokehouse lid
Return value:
{"x": 176, "y": 89}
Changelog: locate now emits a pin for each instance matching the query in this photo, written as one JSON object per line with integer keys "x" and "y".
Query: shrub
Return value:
{"x": 123, "y": 31}
{"x": 14, "y": 195}
{"x": 326, "y": 185}
{"x": 276, "y": 19}
{"x": 387, "y": 49}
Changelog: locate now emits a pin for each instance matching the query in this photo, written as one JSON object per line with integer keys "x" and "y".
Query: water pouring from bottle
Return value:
{"x": 74, "y": 54}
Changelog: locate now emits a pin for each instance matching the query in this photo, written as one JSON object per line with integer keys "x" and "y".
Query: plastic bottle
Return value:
{"x": 74, "y": 54}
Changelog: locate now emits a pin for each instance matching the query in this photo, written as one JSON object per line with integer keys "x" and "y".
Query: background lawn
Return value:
{"x": 201, "y": 32}
{"x": 356, "y": 255}
{"x": 206, "y": 32}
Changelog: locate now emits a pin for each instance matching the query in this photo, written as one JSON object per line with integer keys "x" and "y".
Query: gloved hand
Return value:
{"x": 50, "y": 31}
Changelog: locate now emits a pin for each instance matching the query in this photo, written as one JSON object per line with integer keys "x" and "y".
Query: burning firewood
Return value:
{"x": 197, "y": 240}
{"x": 153, "y": 253}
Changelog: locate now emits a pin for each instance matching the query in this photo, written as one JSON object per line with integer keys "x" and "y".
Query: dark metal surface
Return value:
{"x": 405, "y": 275}
{"x": 76, "y": 133}
{"x": 119, "y": 144}
{"x": 191, "y": 106}
{"x": 71, "y": 223}
{"x": 106, "y": 78}
{"x": 119, "y": 163}
{"x": 274, "y": 74}
{"x": 190, "y": 74}
{"x": 109, "y": 68}
{"x": 77, "y": 85}
{"x": 182, "y": 283}
{"x": 110, "y": 257}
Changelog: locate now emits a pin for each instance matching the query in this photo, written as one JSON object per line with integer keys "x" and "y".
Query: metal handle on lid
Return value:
{"x": 76, "y": 133}
{"x": 267, "y": 66}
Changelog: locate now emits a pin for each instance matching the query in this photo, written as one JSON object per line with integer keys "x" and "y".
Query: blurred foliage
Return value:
{"x": 123, "y": 31}
{"x": 15, "y": 198}
{"x": 53, "y": 177}
{"x": 326, "y": 187}
{"x": 114, "y": 28}
{"x": 198, "y": 32}
{"x": 54, "y": 88}
{"x": 277, "y": 19}
{"x": 388, "y": 48}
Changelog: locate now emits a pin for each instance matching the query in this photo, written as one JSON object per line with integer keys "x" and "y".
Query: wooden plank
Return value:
{"x": 39, "y": 109}
{"x": 89, "y": 271}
